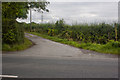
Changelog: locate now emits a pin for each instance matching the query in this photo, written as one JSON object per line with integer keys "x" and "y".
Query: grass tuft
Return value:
{"x": 17, "y": 47}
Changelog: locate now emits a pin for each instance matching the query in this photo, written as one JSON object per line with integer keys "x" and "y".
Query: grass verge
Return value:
{"x": 17, "y": 47}
{"x": 111, "y": 47}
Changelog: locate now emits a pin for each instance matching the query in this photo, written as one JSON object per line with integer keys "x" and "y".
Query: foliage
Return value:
{"x": 94, "y": 33}
{"x": 12, "y": 31}
{"x": 59, "y": 25}
{"x": 13, "y": 10}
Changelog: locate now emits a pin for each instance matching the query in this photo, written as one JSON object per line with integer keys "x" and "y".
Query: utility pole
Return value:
{"x": 42, "y": 17}
{"x": 115, "y": 31}
{"x": 30, "y": 19}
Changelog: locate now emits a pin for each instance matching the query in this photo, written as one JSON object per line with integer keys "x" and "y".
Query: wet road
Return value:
{"x": 48, "y": 59}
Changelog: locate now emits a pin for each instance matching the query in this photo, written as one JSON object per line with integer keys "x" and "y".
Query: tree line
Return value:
{"x": 94, "y": 33}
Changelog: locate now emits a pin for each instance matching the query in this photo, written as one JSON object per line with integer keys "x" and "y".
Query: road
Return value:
{"x": 48, "y": 59}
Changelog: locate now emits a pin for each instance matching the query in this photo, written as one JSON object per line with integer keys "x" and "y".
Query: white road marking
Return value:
{"x": 8, "y": 76}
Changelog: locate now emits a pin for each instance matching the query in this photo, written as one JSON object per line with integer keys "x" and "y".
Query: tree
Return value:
{"x": 13, "y": 10}
{"x": 59, "y": 25}
{"x": 12, "y": 31}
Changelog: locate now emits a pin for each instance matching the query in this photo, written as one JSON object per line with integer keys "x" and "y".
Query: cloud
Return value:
{"x": 80, "y": 12}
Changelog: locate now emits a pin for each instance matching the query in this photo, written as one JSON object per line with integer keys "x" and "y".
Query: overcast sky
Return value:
{"x": 84, "y": 0}
{"x": 78, "y": 12}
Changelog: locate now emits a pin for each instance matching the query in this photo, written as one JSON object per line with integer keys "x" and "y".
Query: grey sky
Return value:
{"x": 78, "y": 12}
{"x": 84, "y": 0}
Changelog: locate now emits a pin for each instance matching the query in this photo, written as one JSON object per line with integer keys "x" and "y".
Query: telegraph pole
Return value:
{"x": 115, "y": 31}
{"x": 30, "y": 19}
{"x": 42, "y": 17}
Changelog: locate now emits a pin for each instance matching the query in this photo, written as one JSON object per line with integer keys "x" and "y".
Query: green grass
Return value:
{"x": 17, "y": 47}
{"x": 111, "y": 47}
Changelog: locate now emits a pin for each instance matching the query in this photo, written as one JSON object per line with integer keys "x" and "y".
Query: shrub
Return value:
{"x": 12, "y": 32}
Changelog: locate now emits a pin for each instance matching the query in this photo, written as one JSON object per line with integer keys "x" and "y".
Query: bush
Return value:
{"x": 12, "y": 32}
